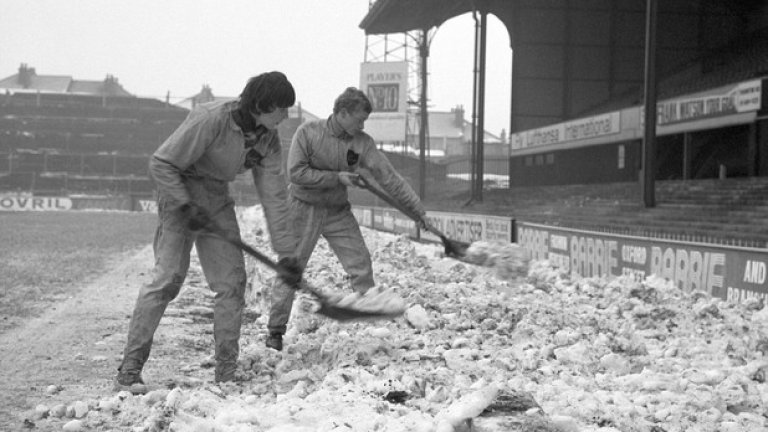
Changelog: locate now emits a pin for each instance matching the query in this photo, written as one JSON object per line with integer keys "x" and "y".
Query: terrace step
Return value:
{"x": 730, "y": 211}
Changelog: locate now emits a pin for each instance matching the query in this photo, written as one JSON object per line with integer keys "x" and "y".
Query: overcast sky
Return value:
{"x": 159, "y": 46}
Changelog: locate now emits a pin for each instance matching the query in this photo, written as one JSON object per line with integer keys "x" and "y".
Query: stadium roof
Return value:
{"x": 397, "y": 16}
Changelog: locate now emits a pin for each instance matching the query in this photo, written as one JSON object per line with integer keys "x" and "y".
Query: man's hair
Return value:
{"x": 266, "y": 92}
{"x": 352, "y": 99}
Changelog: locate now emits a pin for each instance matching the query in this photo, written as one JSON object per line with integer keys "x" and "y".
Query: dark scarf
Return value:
{"x": 252, "y": 134}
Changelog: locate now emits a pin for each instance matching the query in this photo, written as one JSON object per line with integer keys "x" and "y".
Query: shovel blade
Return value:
{"x": 454, "y": 249}
{"x": 339, "y": 313}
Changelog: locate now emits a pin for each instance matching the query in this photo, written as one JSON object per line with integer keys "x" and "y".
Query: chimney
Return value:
{"x": 25, "y": 75}
{"x": 109, "y": 84}
{"x": 458, "y": 116}
{"x": 206, "y": 94}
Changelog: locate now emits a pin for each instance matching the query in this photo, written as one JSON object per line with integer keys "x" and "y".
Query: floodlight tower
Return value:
{"x": 399, "y": 47}
{"x": 412, "y": 48}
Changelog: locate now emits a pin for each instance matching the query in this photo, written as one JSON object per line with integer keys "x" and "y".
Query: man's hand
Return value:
{"x": 349, "y": 179}
{"x": 197, "y": 217}
{"x": 290, "y": 270}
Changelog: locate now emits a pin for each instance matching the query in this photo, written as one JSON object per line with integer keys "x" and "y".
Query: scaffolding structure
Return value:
{"x": 412, "y": 48}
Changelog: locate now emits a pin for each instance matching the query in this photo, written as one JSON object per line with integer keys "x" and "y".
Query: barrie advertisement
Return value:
{"x": 729, "y": 273}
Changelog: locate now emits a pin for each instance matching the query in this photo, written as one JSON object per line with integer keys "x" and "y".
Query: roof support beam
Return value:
{"x": 424, "y": 114}
{"x": 479, "y": 97}
{"x": 648, "y": 185}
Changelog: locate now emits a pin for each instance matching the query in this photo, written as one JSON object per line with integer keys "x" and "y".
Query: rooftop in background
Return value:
{"x": 452, "y": 124}
{"x": 28, "y": 81}
{"x": 206, "y": 95}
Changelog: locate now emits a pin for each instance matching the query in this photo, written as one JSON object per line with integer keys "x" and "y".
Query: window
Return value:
{"x": 550, "y": 158}
{"x": 528, "y": 161}
{"x": 621, "y": 156}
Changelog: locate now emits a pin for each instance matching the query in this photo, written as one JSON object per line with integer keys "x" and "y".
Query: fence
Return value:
{"x": 495, "y": 170}
{"x": 60, "y": 184}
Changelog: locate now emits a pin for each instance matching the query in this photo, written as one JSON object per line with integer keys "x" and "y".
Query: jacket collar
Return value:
{"x": 336, "y": 130}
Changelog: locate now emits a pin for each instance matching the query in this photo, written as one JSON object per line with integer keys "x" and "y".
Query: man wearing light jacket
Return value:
{"x": 192, "y": 170}
{"x": 326, "y": 157}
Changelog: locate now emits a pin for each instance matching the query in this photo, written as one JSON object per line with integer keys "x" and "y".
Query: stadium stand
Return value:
{"x": 59, "y": 135}
{"x": 729, "y": 211}
{"x": 57, "y": 138}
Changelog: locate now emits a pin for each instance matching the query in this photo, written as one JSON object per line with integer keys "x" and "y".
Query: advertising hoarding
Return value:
{"x": 730, "y": 273}
{"x": 386, "y": 84}
{"x": 36, "y": 203}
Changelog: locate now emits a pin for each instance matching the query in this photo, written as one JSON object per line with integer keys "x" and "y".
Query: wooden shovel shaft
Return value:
{"x": 456, "y": 248}
{"x": 327, "y": 307}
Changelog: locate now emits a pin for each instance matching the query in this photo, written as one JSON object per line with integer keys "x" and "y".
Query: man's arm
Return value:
{"x": 299, "y": 168}
{"x": 390, "y": 180}
{"x": 269, "y": 179}
{"x": 185, "y": 146}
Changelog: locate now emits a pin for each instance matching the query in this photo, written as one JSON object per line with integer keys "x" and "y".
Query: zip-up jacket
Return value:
{"x": 209, "y": 145}
{"x": 317, "y": 156}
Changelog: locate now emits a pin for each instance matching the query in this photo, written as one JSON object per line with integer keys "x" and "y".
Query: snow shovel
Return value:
{"x": 328, "y": 307}
{"x": 453, "y": 248}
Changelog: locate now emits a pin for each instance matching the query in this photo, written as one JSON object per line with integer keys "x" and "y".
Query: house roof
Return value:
{"x": 28, "y": 81}
{"x": 42, "y": 83}
{"x": 443, "y": 124}
{"x": 192, "y": 101}
{"x": 97, "y": 88}
{"x": 206, "y": 95}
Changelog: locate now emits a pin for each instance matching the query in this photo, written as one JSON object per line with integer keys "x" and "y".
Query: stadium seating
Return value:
{"x": 79, "y": 143}
{"x": 727, "y": 211}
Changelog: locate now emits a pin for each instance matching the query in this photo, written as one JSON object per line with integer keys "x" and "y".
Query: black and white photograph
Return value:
{"x": 384, "y": 216}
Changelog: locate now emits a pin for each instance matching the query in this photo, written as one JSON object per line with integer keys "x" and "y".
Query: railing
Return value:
{"x": 48, "y": 183}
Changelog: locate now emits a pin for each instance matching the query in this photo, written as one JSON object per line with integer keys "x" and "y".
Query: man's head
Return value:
{"x": 266, "y": 98}
{"x": 351, "y": 110}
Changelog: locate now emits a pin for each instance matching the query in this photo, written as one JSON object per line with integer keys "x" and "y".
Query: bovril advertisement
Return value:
{"x": 34, "y": 203}
{"x": 727, "y": 272}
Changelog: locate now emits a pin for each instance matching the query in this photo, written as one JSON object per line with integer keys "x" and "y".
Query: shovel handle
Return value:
{"x": 364, "y": 183}
{"x": 452, "y": 248}
{"x": 269, "y": 262}
{"x": 327, "y": 308}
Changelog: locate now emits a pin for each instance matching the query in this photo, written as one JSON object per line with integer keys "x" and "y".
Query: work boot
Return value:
{"x": 275, "y": 341}
{"x": 129, "y": 380}
{"x": 226, "y": 373}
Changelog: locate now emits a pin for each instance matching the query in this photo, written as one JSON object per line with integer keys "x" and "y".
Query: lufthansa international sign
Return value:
{"x": 590, "y": 127}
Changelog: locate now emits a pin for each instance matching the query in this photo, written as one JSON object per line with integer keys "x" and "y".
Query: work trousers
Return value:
{"x": 340, "y": 229}
{"x": 223, "y": 266}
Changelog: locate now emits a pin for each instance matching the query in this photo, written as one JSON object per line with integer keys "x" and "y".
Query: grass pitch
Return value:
{"x": 46, "y": 256}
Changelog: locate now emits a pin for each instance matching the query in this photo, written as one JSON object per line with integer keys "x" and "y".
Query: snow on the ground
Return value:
{"x": 593, "y": 354}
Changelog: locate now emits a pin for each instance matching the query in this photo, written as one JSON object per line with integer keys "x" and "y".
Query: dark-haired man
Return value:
{"x": 192, "y": 170}
{"x": 324, "y": 160}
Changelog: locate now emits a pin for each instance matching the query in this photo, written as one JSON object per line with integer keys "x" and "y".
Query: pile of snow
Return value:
{"x": 586, "y": 354}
